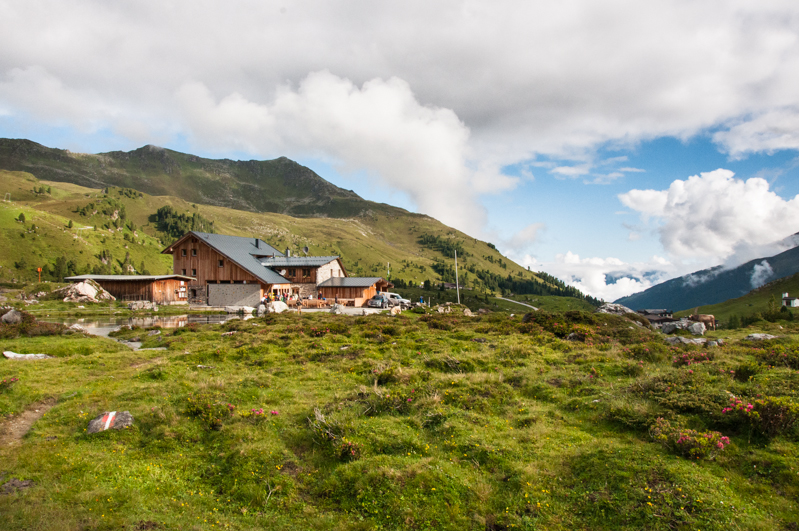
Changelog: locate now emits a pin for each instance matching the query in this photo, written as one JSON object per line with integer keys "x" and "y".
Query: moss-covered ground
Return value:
{"x": 420, "y": 421}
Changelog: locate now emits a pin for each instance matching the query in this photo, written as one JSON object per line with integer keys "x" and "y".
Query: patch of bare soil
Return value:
{"x": 143, "y": 363}
{"x": 13, "y": 430}
{"x": 15, "y": 485}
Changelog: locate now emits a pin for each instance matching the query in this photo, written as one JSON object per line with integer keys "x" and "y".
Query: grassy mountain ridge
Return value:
{"x": 367, "y": 243}
{"x": 279, "y": 185}
{"x": 711, "y": 286}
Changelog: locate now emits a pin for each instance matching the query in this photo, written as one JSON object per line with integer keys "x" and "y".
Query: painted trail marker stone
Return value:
{"x": 108, "y": 420}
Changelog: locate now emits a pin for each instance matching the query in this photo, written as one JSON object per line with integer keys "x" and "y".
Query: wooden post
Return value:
{"x": 457, "y": 285}
{"x": 39, "y": 269}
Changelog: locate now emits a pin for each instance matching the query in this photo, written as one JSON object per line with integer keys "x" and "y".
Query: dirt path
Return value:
{"x": 517, "y": 302}
{"x": 14, "y": 430}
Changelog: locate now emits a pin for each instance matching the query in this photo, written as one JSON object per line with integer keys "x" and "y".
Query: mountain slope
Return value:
{"x": 756, "y": 301}
{"x": 711, "y": 286}
{"x": 279, "y": 185}
{"x": 123, "y": 220}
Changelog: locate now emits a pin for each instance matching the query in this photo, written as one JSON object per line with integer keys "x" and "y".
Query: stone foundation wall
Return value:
{"x": 234, "y": 294}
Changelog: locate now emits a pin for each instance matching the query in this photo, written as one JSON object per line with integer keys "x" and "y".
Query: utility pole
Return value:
{"x": 457, "y": 285}
{"x": 388, "y": 273}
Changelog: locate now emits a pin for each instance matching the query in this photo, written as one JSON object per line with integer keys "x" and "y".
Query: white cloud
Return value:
{"x": 605, "y": 278}
{"x": 526, "y": 236}
{"x": 714, "y": 214}
{"x": 379, "y": 128}
{"x": 761, "y": 273}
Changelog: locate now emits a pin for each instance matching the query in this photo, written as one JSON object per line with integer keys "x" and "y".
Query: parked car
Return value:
{"x": 396, "y": 298}
{"x": 380, "y": 300}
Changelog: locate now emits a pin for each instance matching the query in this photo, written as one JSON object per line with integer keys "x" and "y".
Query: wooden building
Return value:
{"x": 352, "y": 290}
{"x": 161, "y": 289}
{"x": 237, "y": 271}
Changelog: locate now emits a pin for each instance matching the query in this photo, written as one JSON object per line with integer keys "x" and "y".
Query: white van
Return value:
{"x": 395, "y": 298}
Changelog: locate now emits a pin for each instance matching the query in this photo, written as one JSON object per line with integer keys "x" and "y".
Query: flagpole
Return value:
{"x": 457, "y": 284}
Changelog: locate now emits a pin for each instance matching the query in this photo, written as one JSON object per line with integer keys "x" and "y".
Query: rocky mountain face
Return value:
{"x": 280, "y": 185}
{"x": 718, "y": 284}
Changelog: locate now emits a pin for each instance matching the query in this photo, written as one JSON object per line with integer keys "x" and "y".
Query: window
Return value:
{"x": 194, "y": 272}
{"x": 194, "y": 252}
{"x": 221, "y": 263}
{"x": 306, "y": 273}
{"x": 292, "y": 272}
{"x": 183, "y": 272}
{"x": 183, "y": 252}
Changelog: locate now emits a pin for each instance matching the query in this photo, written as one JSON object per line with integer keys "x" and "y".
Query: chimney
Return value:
{"x": 784, "y": 295}
{"x": 257, "y": 245}
{"x": 288, "y": 251}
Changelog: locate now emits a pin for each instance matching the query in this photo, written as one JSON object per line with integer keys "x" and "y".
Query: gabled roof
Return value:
{"x": 241, "y": 251}
{"x": 297, "y": 261}
{"x": 350, "y": 282}
{"x": 128, "y": 278}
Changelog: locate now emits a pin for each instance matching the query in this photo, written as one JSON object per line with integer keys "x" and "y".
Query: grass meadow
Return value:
{"x": 419, "y": 421}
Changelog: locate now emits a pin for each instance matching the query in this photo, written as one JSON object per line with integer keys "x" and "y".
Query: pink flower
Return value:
{"x": 273, "y": 412}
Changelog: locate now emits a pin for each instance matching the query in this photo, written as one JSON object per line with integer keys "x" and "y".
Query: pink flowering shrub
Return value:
{"x": 769, "y": 415}
{"x": 691, "y": 358}
{"x": 687, "y": 442}
{"x": 210, "y": 408}
{"x": 6, "y": 383}
{"x": 780, "y": 355}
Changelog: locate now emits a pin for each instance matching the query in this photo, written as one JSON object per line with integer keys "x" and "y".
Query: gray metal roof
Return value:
{"x": 243, "y": 252}
{"x": 350, "y": 282}
{"x": 297, "y": 261}
{"x": 129, "y": 278}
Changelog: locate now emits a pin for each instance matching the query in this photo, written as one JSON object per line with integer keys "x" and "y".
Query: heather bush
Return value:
{"x": 210, "y": 408}
{"x": 687, "y": 442}
{"x": 770, "y": 416}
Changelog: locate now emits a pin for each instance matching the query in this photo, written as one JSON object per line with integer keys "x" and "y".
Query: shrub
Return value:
{"x": 633, "y": 369}
{"x": 210, "y": 408}
{"x": 329, "y": 434}
{"x": 690, "y": 443}
{"x": 7, "y": 383}
{"x": 384, "y": 373}
{"x": 29, "y": 327}
{"x": 692, "y": 358}
{"x": 781, "y": 355}
{"x": 770, "y": 415}
{"x": 747, "y": 370}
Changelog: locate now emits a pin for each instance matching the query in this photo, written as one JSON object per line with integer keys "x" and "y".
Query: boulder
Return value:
{"x": 154, "y": 333}
{"x": 614, "y": 309}
{"x": 278, "y": 307}
{"x": 78, "y": 328}
{"x": 86, "y": 291}
{"x": 142, "y": 305}
{"x": 12, "y": 317}
{"x": 677, "y": 340}
{"x": 261, "y": 311}
{"x": 337, "y": 309}
{"x": 110, "y": 420}
{"x": 14, "y": 356}
{"x": 697, "y": 329}
{"x": 468, "y": 313}
{"x": 759, "y": 337}
{"x": 395, "y": 310}
{"x": 239, "y": 309}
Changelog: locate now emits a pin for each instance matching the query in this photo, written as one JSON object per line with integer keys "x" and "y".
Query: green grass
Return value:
{"x": 457, "y": 423}
{"x": 756, "y": 301}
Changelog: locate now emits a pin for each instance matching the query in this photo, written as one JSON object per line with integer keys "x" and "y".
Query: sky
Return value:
{"x": 614, "y": 144}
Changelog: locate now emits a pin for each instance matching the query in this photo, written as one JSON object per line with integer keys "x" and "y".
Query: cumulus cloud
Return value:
{"x": 714, "y": 214}
{"x": 605, "y": 278}
{"x": 526, "y": 237}
{"x": 761, "y": 273}
{"x": 379, "y": 128}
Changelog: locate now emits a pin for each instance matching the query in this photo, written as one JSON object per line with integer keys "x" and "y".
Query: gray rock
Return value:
{"x": 110, "y": 420}
{"x": 239, "y": 309}
{"x": 154, "y": 333}
{"x": 712, "y": 344}
{"x": 614, "y": 309}
{"x": 759, "y": 337}
{"x": 468, "y": 313}
{"x": 12, "y": 317}
{"x": 142, "y": 305}
{"x": 720, "y": 342}
{"x": 261, "y": 311}
{"x": 337, "y": 309}
{"x": 697, "y": 329}
{"x": 14, "y": 356}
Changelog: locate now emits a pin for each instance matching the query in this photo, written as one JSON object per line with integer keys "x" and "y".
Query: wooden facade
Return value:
{"x": 358, "y": 296}
{"x": 193, "y": 257}
{"x": 158, "y": 289}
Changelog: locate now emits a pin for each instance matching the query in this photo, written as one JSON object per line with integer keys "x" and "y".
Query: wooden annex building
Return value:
{"x": 161, "y": 289}
{"x": 354, "y": 290}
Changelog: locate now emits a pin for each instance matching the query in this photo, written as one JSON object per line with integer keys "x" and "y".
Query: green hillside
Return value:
{"x": 417, "y": 247}
{"x": 754, "y": 302}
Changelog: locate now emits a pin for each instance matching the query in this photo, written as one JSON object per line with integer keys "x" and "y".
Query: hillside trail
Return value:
{"x": 13, "y": 430}
{"x": 517, "y": 302}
